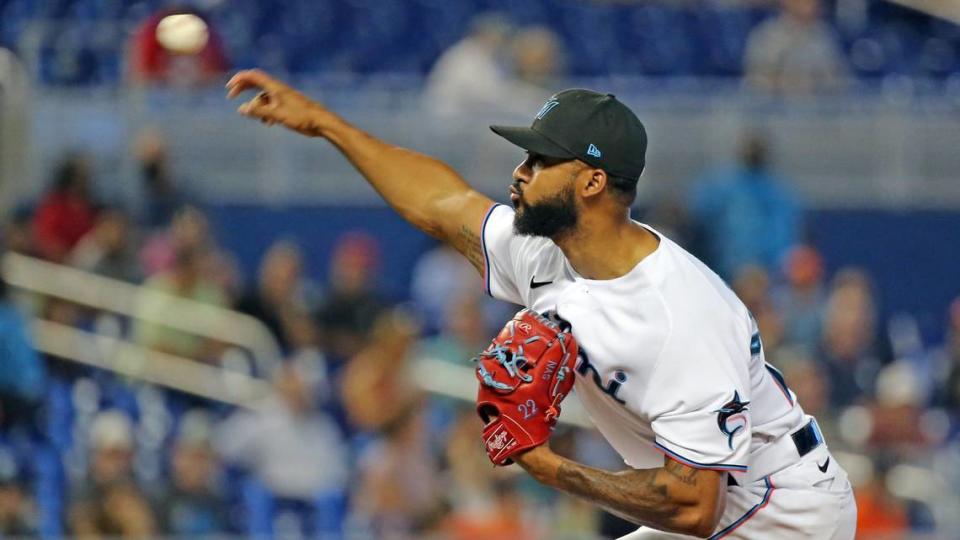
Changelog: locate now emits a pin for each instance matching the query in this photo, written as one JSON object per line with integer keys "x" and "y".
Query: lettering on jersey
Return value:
{"x": 731, "y": 417}
{"x": 611, "y": 387}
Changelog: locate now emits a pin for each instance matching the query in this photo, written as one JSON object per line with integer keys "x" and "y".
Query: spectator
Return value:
{"x": 17, "y": 235}
{"x": 479, "y": 73}
{"x": 383, "y": 369}
{"x": 880, "y": 514}
{"x": 67, "y": 211}
{"x": 484, "y": 500}
{"x": 398, "y": 491}
{"x": 191, "y": 507}
{"x": 183, "y": 281}
{"x": 109, "y": 502}
{"x": 848, "y": 341}
{"x": 162, "y": 198}
{"x": 439, "y": 274}
{"x": 22, "y": 372}
{"x": 106, "y": 249}
{"x": 537, "y": 58}
{"x": 295, "y": 450}
{"x": 744, "y": 214}
{"x": 470, "y": 75}
{"x": 189, "y": 229}
{"x": 464, "y": 332}
{"x": 752, "y": 285}
{"x": 442, "y": 275}
{"x": 283, "y": 298}
{"x": 795, "y": 52}
{"x": 352, "y": 304}
{"x": 507, "y": 518}
{"x": 17, "y": 512}
{"x": 801, "y": 299}
{"x": 152, "y": 64}
{"x": 898, "y": 409}
{"x": 807, "y": 378}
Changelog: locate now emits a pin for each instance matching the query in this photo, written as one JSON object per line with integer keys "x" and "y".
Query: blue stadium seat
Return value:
{"x": 592, "y": 48}
{"x": 50, "y": 488}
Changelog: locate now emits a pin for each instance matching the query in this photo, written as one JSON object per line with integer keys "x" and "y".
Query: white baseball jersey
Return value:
{"x": 671, "y": 360}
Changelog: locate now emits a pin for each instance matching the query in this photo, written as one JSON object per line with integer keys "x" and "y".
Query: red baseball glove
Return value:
{"x": 524, "y": 375}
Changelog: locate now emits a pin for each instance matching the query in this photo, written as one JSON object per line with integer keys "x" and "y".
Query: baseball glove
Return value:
{"x": 524, "y": 375}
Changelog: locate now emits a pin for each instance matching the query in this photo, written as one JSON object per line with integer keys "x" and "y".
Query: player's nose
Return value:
{"x": 522, "y": 172}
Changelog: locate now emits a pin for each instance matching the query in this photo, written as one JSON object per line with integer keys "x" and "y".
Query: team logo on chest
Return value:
{"x": 611, "y": 387}
{"x": 731, "y": 418}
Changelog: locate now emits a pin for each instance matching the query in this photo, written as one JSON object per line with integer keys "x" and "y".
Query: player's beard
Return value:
{"x": 551, "y": 217}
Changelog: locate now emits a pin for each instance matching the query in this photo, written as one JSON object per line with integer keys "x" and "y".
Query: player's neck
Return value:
{"x": 605, "y": 248}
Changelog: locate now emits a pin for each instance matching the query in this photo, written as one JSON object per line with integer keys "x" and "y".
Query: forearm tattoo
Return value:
{"x": 468, "y": 243}
{"x": 621, "y": 493}
{"x": 686, "y": 475}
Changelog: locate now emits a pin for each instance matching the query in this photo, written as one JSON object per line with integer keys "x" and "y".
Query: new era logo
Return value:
{"x": 592, "y": 150}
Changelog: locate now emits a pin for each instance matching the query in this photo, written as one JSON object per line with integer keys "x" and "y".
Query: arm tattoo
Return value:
{"x": 468, "y": 243}
{"x": 660, "y": 498}
{"x": 686, "y": 475}
{"x": 621, "y": 493}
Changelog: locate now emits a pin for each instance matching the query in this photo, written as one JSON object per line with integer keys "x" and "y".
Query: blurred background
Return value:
{"x": 213, "y": 328}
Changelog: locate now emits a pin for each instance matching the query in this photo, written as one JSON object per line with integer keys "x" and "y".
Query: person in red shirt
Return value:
{"x": 66, "y": 212}
{"x": 152, "y": 64}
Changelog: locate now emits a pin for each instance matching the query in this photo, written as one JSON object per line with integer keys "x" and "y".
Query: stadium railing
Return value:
{"x": 110, "y": 351}
{"x": 107, "y": 351}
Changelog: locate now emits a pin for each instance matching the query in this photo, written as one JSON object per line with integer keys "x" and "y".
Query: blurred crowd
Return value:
{"x": 348, "y": 440}
{"x": 784, "y": 46}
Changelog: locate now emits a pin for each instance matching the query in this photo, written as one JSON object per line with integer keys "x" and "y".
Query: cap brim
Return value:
{"x": 531, "y": 141}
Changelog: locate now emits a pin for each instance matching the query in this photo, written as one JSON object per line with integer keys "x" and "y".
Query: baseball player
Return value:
{"x": 670, "y": 367}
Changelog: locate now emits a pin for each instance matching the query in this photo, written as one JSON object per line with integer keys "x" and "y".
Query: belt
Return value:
{"x": 807, "y": 438}
{"x": 783, "y": 452}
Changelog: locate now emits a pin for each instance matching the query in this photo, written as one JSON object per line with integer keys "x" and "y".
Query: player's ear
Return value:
{"x": 596, "y": 182}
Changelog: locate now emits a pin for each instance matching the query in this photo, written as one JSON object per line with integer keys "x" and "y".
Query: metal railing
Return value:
{"x": 138, "y": 362}
{"x": 121, "y": 356}
{"x": 127, "y": 299}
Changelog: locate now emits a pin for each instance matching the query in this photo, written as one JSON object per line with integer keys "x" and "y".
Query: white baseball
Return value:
{"x": 182, "y": 33}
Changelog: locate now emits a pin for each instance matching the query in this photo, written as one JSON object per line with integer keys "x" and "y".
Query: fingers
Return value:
{"x": 251, "y": 79}
{"x": 260, "y": 107}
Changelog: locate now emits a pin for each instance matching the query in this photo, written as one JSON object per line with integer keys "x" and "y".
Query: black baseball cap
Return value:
{"x": 586, "y": 125}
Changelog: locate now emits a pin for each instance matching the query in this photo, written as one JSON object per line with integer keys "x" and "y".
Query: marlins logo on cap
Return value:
{"x": 581, "y": 124}
{"x": 547, "y": 107}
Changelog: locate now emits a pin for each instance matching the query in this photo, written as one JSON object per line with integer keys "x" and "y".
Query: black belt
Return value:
{"x": 806, "y": 439}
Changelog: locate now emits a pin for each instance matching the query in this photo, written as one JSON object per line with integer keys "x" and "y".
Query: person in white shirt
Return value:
{"x": 470, "y": 75}
{"x": 672, "y": 369}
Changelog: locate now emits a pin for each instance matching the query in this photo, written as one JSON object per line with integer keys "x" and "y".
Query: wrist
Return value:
{"x": 323, "y": 123}
{"x": 540, "y": 462}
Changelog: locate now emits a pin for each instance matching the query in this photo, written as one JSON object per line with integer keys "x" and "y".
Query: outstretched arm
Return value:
{"x": 674, "y": 498}
{"x": 424, "y": 191}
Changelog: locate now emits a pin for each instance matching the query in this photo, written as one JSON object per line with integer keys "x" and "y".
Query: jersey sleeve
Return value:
{"x": 509, "y": 259}
{"x": 698, "y": 401}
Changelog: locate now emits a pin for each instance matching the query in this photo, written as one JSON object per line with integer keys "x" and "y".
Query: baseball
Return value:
{"x": 182, "y": 33}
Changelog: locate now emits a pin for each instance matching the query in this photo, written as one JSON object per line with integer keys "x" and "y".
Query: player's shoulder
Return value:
{"x": 498, "y": 229}
{"x": 691, "y": 289}
{"x": 705, "y": 314}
